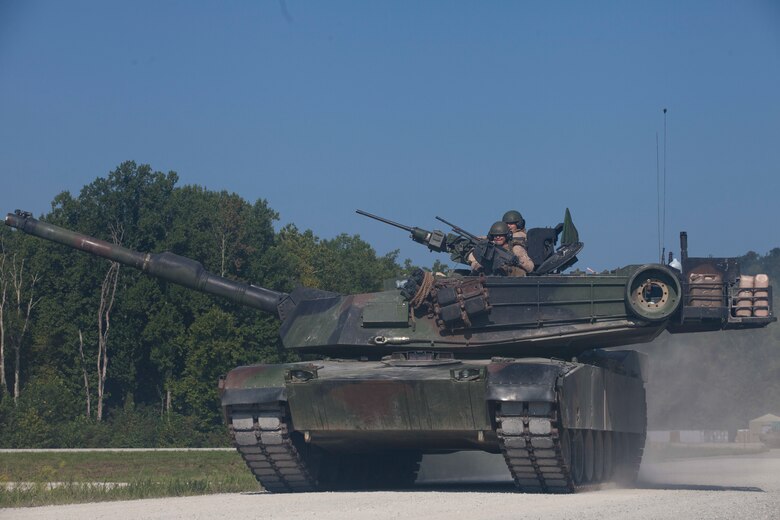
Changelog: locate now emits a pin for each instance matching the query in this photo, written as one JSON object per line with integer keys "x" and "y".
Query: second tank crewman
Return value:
{"x": 516, "y": 224}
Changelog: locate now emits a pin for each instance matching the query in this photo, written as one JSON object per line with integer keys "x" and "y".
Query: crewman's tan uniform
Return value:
{"x": 526, "y": 265}
{"x": 520, "y": 238}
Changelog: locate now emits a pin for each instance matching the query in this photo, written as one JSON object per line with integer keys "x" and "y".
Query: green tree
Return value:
{"x": 347, "y": 264}
{"x": 128, "y": 202}
{"x": 214, "y": 344}
{"x": 18, "y": 298}
{"x": 42, "y": 408}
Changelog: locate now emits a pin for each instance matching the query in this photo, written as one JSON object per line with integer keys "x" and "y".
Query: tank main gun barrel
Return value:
{"x": 166, "y": 266}
{"x": 434, "y": 240}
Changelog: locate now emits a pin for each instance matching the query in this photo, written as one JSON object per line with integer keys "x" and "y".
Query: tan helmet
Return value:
{"x": 514, "y": 217}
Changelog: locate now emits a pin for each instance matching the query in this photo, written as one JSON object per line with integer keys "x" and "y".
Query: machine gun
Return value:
{"x": 459, "y": 243}
{"x": 493, "y": 259}
{"x": 435, "y": 240}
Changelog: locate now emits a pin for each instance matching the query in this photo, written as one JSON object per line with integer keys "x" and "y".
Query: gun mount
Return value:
{"x": 434, "y": 240}
{"x": 494, "y": 259}
{"x": 504, "y": 365}
{"x": 541, "y": 245}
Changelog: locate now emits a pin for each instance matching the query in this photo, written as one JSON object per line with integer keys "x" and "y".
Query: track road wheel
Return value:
{"x": 577, "y": 457}
{"x": 566, "y": 448}
{"x": 636, "y": 445}
{"x": 629, "y": 456}
{"x": 598, "y": 456}
{"x": 588, "y": 455}
{"x": 619, "y": 454}
{"x": 609, "y": 466}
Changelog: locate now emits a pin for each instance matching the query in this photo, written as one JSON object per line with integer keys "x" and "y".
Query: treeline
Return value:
{"x": 94, "y": 354}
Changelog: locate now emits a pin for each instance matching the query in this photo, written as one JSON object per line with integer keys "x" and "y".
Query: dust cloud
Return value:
{"x": 714, "y": 380}
{"x": 748, "y": 472}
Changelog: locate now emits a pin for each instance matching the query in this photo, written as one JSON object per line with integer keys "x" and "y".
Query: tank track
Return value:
{"x": 282, "y": 462}
{"x": 543, "y": 457}
{"x": 263, "y": 440}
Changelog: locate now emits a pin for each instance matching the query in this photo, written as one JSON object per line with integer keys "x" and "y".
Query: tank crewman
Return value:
{"x": 500, "y": 235}
{"x": 516, "y": 224}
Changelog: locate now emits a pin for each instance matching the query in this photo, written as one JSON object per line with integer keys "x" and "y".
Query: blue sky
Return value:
{"x": 412, "y": 110}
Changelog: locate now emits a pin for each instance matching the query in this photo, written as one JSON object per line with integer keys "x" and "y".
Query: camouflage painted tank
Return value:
{"x": 515, "y": 366}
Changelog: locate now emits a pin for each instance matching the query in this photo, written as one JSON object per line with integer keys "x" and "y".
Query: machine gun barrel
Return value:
{"x": 166, "y": 266}
{"x": 460, "y": 230}
{"x": 410, "y": 229}
{"x": 435, "y": 240}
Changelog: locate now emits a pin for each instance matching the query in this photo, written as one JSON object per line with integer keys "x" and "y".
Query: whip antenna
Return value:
{"x": 658, "y": 197}
{"x": 663, "y": 227}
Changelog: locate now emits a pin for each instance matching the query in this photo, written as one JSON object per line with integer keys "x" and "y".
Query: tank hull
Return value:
{"x": 329, "y": 424}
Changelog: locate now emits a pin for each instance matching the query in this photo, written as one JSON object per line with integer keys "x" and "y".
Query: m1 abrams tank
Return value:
{"x": 496, "y": 364}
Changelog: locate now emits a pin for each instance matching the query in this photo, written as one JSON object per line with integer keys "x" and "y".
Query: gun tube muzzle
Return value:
{"x": 166, "y": 266}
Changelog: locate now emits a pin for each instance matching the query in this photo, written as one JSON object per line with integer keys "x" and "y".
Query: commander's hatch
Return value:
{"x": 541, "y": 247}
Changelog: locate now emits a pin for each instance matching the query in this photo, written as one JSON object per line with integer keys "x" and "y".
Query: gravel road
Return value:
{"x": 746, "y": 486}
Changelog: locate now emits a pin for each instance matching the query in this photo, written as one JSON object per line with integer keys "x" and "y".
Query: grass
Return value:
{"x": 90, "y": 476}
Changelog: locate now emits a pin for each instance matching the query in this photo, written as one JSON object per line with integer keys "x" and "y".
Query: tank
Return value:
{"x": 526, "y": 367}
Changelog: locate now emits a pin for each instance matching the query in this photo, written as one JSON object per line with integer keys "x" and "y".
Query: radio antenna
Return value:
{"x": 658, "y": 197}
{"x": 663, "y": 227}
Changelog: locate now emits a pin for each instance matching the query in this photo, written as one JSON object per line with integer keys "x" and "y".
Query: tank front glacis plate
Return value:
{"x": 387, "y": 398}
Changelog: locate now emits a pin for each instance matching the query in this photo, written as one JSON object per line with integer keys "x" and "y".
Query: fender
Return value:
{"x": 255, "y": 384}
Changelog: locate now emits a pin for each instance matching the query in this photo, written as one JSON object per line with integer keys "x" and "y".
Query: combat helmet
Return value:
{"x": 499, "y": 228}
{"x": 513, "y": 216}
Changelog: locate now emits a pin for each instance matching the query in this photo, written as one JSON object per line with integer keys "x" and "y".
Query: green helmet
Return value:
{"x": 514, "y": 217}
{"x": 498, "y": 228}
